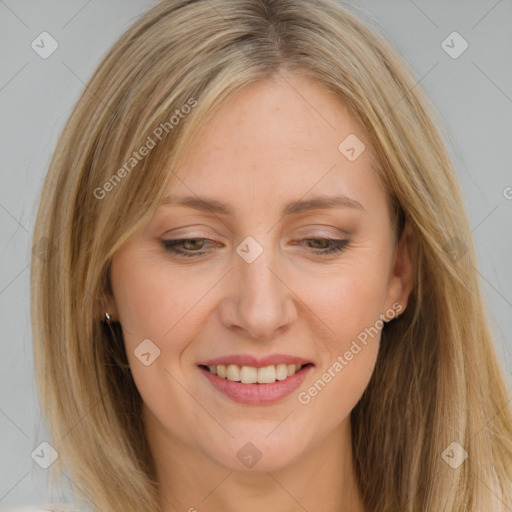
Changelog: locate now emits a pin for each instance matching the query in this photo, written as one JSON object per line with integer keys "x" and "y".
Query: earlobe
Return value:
{"x": 403, "y": 270}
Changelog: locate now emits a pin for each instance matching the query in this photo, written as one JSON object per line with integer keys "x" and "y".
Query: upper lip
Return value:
{"x": 258, "y": 362}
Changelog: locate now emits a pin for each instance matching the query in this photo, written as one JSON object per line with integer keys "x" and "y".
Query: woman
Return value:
{"x": 260, "y": 290}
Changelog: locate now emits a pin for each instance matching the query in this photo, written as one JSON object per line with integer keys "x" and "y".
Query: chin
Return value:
{"x": 259, "y": 455}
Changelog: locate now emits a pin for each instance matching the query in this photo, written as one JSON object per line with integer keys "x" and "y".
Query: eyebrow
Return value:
{"x": 293, "y": 208}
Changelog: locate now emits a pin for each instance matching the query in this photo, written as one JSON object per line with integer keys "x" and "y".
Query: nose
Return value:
{"x": 259, "y": 300}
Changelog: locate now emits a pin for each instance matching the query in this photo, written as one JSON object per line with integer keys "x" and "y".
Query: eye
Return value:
{"x": 327, "y": 245}
{"x": 193, "y": 247}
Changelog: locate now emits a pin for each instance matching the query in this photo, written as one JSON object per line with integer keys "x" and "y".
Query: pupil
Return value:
{"x": 193, "y": 242}
{"x": 319, "y": 242}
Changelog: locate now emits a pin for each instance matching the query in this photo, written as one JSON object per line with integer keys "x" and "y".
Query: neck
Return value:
{"x": 322, "y": 479}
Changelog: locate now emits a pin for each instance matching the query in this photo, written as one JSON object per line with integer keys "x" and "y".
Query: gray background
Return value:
{"x": 473, "y": 94}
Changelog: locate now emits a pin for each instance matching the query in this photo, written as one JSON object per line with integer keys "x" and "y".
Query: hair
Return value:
{"x": 437, "y": 378}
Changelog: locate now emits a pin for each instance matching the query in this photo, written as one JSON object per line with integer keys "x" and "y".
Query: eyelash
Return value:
{"x": 336, "y": 246}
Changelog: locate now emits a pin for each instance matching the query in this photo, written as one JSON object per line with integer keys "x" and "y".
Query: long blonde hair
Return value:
{"x": 437, "y": 380}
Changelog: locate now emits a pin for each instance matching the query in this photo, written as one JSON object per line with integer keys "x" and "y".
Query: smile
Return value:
{"x": 253, "y": 375}
{"x": 255, "y": 385}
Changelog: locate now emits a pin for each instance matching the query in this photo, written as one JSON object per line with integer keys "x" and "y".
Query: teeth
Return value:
{"x": 221, "y": 371}
{"x": 233, "y": 372}
{"x": 249, "y": 375}
{"x": 282, "y": 371}
{"x": 266, "y": 374}
{"x": 253, "y": 375}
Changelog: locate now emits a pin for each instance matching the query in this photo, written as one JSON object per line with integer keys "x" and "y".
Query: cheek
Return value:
{"x": 153, "y": 302}
{"x": 160, "y": 314}
{"x": 348, "y": 345}
{"x": 338, "y": 385}
{"x": 346, "y": 310}
{"x": 349, "y": 300}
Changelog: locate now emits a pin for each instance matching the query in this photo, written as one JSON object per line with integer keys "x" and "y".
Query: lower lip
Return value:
{"x": 258, "y": 393}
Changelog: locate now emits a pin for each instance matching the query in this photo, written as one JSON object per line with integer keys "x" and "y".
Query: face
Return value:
{"x": 285, "y": 297}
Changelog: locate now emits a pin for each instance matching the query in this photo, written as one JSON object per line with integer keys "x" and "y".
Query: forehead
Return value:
{"x": 277, "y": 138}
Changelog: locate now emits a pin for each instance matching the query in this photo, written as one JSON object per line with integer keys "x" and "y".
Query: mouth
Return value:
{"x": 253, "y": 381}
{"x": 255, "y": 375}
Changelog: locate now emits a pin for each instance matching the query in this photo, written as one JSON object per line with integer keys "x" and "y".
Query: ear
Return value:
{"x": 402, "y": 271}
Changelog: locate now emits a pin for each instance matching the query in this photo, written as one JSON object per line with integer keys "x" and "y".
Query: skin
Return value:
{"x": 267, "y": 146}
